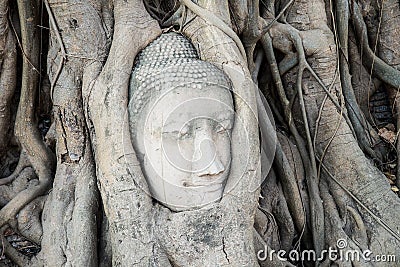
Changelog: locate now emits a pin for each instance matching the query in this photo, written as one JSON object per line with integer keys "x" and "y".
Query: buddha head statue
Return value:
{"x": 181, "y": 114}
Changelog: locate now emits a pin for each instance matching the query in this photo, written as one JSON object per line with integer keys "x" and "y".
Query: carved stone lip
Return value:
{"x": 205, "y": 183}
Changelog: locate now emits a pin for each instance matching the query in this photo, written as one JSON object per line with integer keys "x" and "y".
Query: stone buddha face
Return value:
{"x": 182, "y": 140}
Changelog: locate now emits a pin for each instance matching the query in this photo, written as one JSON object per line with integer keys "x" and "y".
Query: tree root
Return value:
{"x": 370, "y": 212}
{"x": 40, "y": 156}
{"x": 266, "y": 225}
{"x": 135, "y": 223}
{"x": 29, "y": 220}
{"x": 11, "y": 252}
{"x": 389, "y": 45}
{"x": 275, "y": 205}
{"x": 287, "y": 63}
{"x": 122, "y": 187}
{"x": 295, "y": 161}
{"x": 354, "y": 112}
{"x": 266, "y": 28}
{"x": 317, "y": 222}
{"x": 382, "y": 70}
{"x": 174, "y": 19}
{"x": 264, "y": 250}
{"x": 23, "y": 162}
{"x": 362, "y": 237}
{"x": 70, "y": 221}
{"x": 334, "y": 224}
{"x": 8, "y": 77}
{"x": 290, "y": 189}
{"x": 237, "y": 205}
{"x": 56, "y": 31}
{"x": 24, "y": 180}
{"x": 211, "y": 18}
{"x": 311, "y": 170}
{"x": 291, "y": 62}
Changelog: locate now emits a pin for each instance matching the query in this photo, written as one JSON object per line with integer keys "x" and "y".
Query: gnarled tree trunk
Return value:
{"x": 78, "y": 192}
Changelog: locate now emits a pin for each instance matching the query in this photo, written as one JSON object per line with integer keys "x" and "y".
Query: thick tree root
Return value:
{"x": 382, "y": 70}
{"x": 126, "y": 204}
{"x": 357, "y": 120}
{"x": 24, "y": 180}
{"x": 326, "y": 145}
{"x": 316, "y": 209}
{"x": 344, "y": 197}
{"x": 8, "y": 75}
{"x": 29, "y": 220}
{"x": 23, "y": 162}
{"x": 71, "y": 209}
{"x": 238, "y": 204}
{"x": 27, "y": 133}
{"x": 12, "y": 253}
{"x": 211, "y": 18}
{"x": 389, "y": 46}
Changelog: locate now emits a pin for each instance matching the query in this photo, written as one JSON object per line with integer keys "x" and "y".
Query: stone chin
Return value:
{"x": 191, "y": 198}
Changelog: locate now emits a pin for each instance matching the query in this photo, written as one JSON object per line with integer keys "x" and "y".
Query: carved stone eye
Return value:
{"x": 220, "y": 128}
{"x": 223, "y": 127}
{"x": 184, "y": 132}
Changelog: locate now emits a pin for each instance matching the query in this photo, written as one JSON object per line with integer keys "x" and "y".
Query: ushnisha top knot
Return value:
{"x": 169, "y": 61}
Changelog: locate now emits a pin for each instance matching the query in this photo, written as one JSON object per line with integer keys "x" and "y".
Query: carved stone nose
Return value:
{"x": 215, "y": 168}
{"x": 206, "y": 160}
